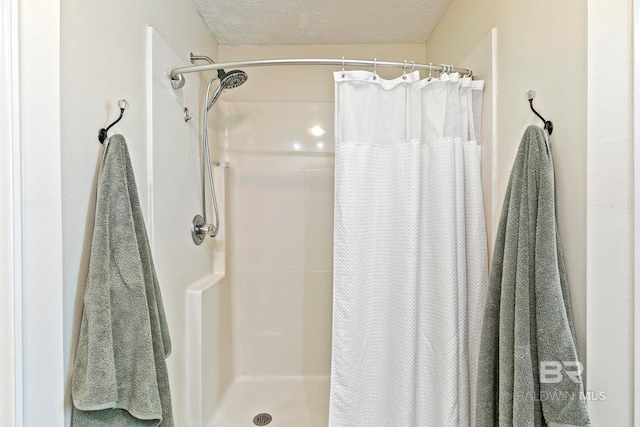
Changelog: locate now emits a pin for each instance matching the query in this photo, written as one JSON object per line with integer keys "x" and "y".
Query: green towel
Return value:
{"x": 528, "y": 373}
{"x": 120, "y": 373}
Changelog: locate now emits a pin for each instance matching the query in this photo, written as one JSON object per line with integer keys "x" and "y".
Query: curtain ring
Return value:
{"x": 343, "y": 64}
{"x": 444, "y": 68}
{"x": 375, "y": 67}
{"x": 404, "y": 69}
{"x": 430, "y": 66}
{"x": 470, "y": 73}
{"x": 413, "y": 66}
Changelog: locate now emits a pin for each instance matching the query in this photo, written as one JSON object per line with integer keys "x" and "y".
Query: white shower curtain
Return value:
{"x": 410, "y": 251}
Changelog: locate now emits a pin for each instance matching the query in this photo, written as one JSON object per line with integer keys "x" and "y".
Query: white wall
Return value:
{"x": 41, "y": 212}
{"x": 9, "y": 214}
{"x": 103, "y": 59}
{"x": 609, "y": 213}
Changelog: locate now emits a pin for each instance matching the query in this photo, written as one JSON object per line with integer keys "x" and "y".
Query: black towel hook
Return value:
{"x": 548, "y": 126}
{"x": 102, "y": 134}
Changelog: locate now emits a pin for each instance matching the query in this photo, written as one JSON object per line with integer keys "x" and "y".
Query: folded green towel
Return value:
{"x": 120, "y": 373}
{"x": 528, "y": 372}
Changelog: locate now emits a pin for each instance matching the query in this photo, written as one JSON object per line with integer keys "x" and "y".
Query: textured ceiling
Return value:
{"x": 261, "y": 22}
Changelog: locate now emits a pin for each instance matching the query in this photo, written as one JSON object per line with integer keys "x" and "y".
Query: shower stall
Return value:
{"x": 277, "y": 136}
{"x": 252, "y": 318}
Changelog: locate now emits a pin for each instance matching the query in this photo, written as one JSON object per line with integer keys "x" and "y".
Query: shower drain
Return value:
{"x": 262, "y": 419}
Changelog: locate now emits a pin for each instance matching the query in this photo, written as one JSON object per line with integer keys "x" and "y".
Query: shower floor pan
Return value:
{"x": 291, "y": 401}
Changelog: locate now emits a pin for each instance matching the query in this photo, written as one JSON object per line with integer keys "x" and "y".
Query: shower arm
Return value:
{"x": 193, "y": 58}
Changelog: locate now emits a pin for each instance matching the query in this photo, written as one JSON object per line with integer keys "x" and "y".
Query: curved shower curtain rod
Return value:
{"x": 177, "y": 74}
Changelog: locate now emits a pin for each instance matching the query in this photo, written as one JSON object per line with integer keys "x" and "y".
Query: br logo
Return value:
{"x": 551, "y": 371}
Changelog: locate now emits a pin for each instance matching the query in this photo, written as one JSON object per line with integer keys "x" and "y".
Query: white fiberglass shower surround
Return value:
{"x": 404, "y": 330}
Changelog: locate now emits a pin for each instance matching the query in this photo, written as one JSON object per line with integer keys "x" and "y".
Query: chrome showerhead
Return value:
{"x": 230, "y": 80}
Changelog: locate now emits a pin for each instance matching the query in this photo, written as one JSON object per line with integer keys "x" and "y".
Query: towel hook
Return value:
{"x": 548, "y": 126}
{"x": 102, "y": 134}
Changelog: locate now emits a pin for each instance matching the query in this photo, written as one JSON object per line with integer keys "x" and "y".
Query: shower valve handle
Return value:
{"x": 208, "y": 229}
{"x": 199, "y": 230}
